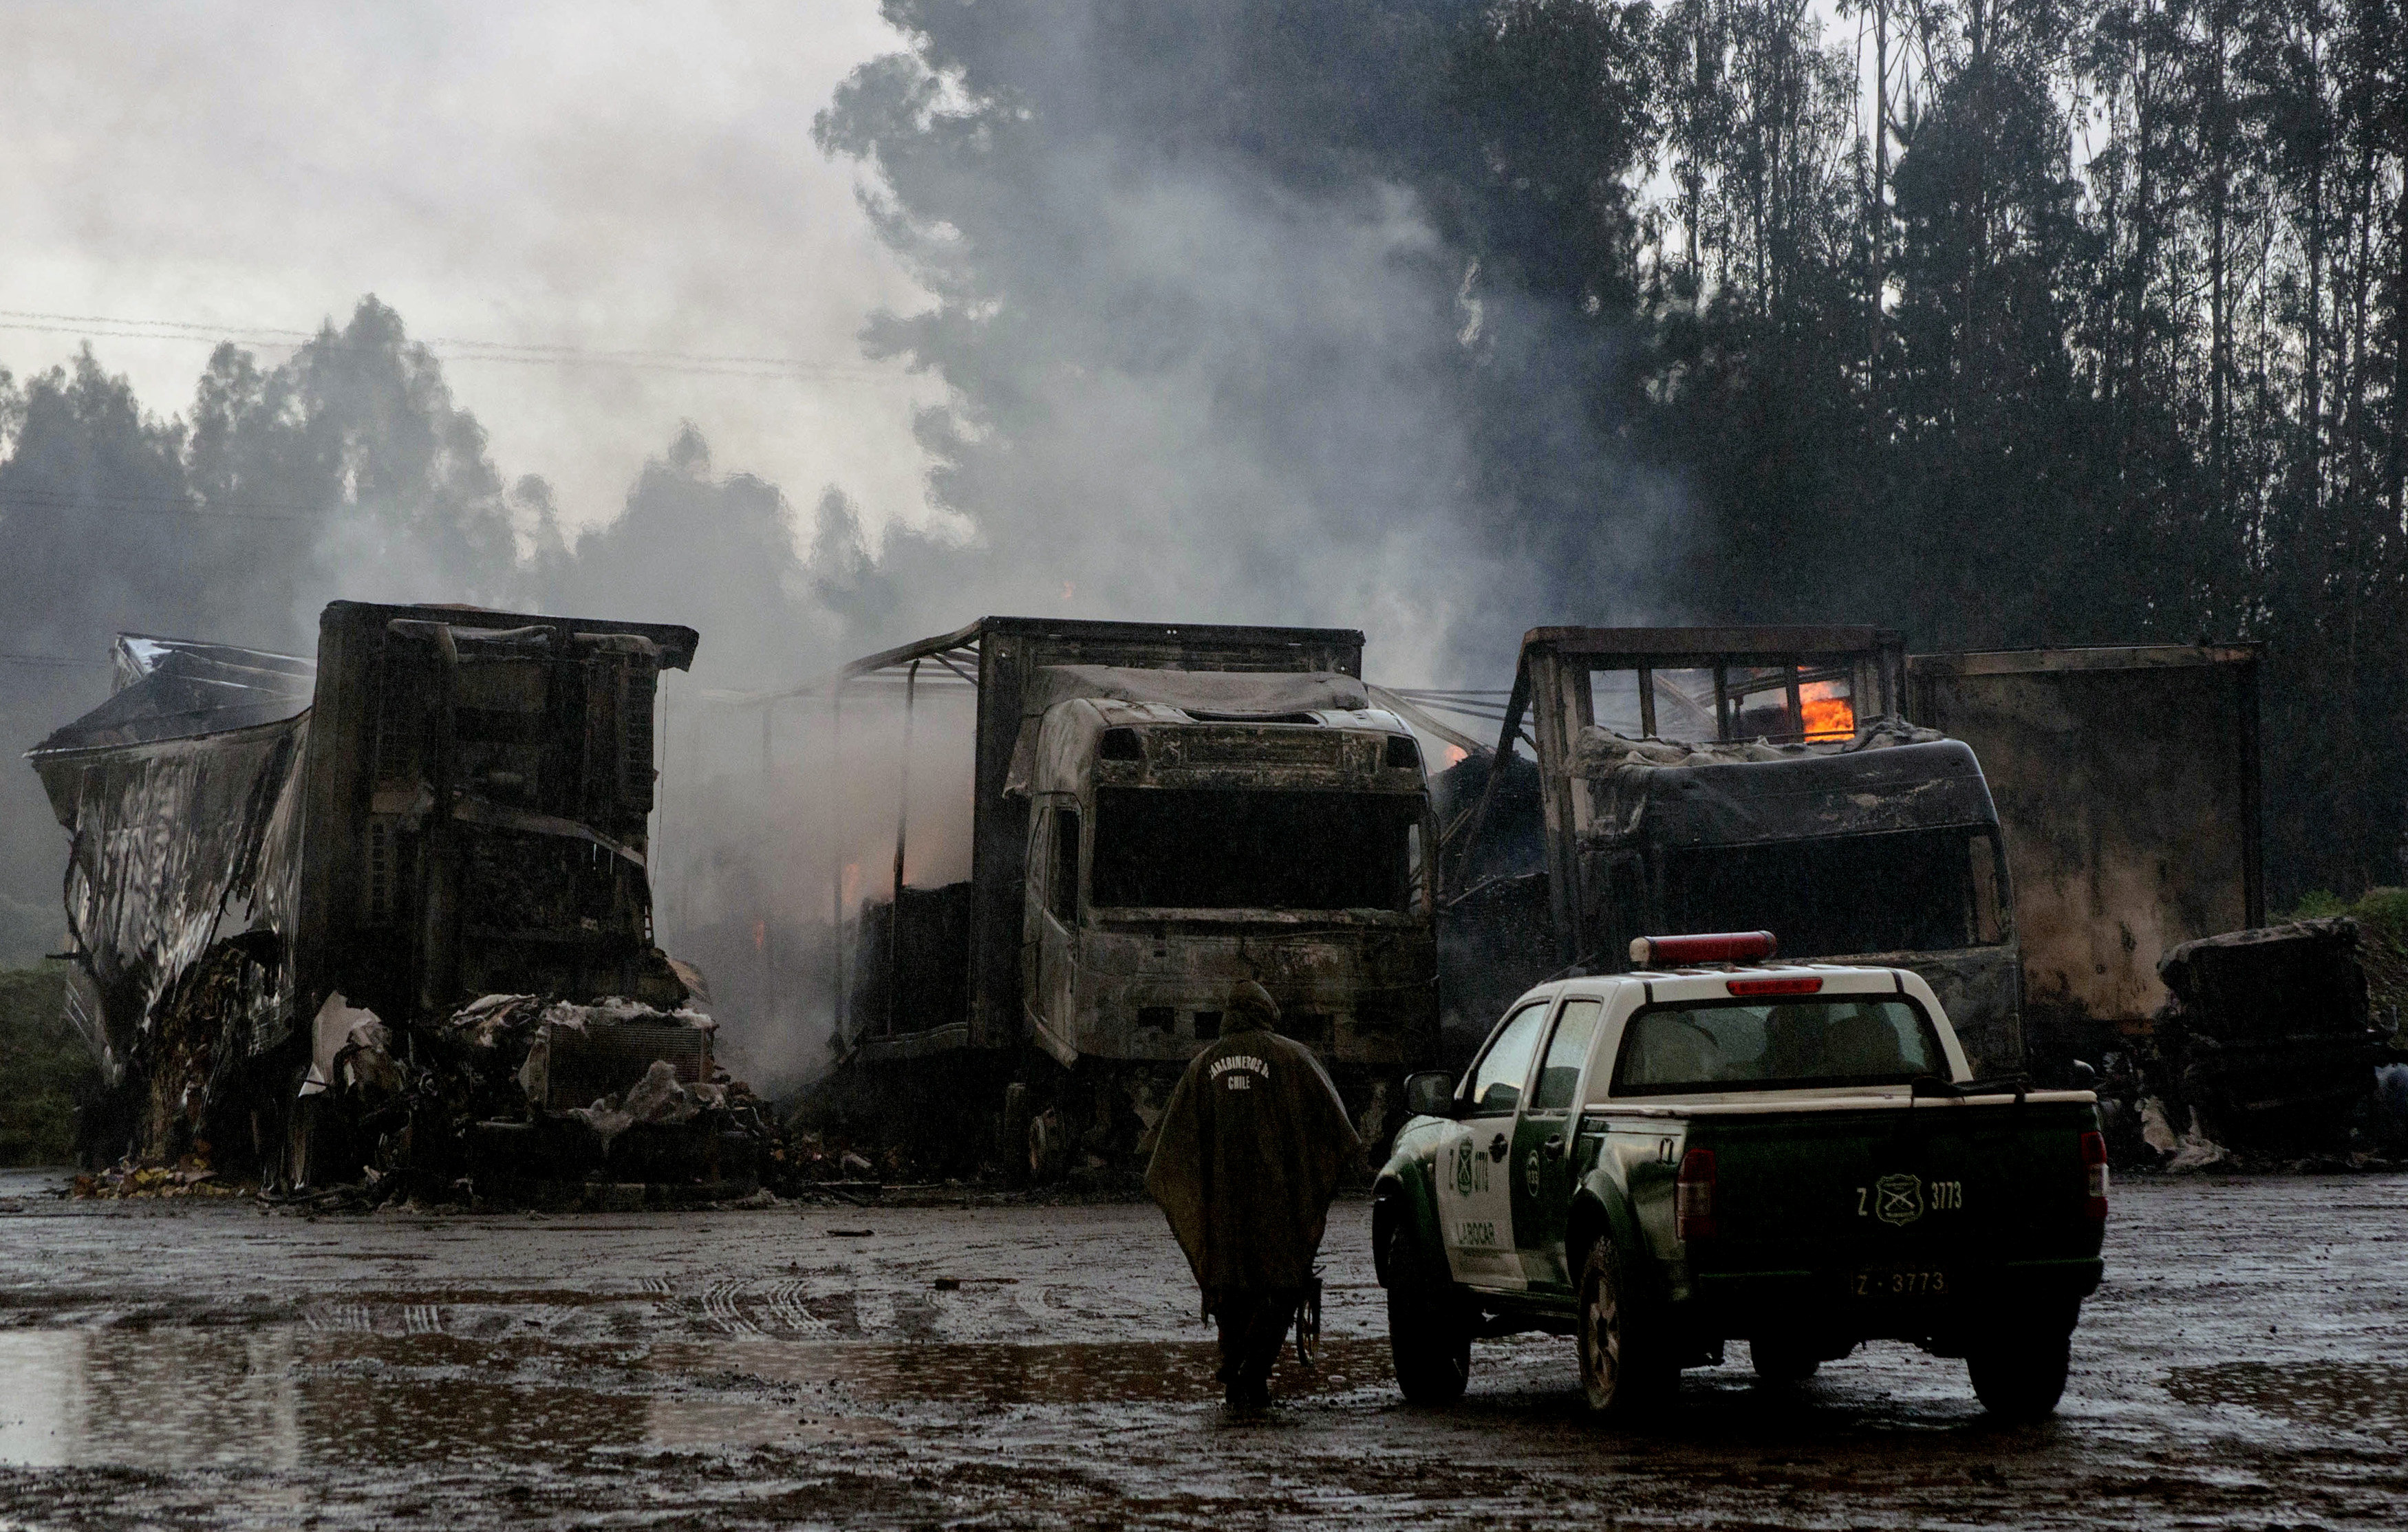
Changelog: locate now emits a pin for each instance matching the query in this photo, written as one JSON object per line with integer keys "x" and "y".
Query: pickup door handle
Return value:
{"x": 1496, "y": 1147}
{"x": 1553, "y": 1148}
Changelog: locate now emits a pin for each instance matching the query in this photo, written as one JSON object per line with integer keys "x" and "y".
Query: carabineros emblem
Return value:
{"x": 1897, "y": 1200}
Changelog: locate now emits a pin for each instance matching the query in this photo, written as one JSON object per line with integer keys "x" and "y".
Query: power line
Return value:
{"x": 453, "y": 348}
{"x": 59, "y": 661}
{"x": 169, "y": 505}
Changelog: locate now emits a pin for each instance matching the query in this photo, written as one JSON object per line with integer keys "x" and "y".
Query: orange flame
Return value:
{"x": 1829, "y": 714}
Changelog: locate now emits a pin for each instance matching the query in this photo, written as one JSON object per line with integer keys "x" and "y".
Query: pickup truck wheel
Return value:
{"x": 1781, "y": 1362}
{"x": 1430, "y": 1335}
{"x": 1621, "y": 1365}
{"x": 2020, "y": 1376}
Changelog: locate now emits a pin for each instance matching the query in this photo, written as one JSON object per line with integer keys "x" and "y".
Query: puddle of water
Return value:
{"x": 289, "y": 1396}
{"x": 2369, "y": 1397}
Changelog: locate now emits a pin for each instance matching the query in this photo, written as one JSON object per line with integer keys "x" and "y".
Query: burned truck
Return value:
{"x": 1158, "y": 812}
{"x": 1713, "y": 779}
{"x": 2029, "y": 830}
{"x": 447, "y": 804}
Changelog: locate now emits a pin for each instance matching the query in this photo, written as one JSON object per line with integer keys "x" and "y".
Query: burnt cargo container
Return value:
{"x": 448, "y": 803}
{"x": 2126, "y": 784}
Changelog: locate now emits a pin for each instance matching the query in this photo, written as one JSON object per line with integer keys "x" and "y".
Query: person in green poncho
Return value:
{"x": 1246, "y": 1157}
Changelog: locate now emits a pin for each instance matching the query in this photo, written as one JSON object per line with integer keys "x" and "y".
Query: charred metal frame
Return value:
{"x": 1552, "y": 683}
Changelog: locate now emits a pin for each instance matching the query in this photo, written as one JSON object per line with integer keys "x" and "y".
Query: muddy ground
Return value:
{"x": 210, "y": 1365}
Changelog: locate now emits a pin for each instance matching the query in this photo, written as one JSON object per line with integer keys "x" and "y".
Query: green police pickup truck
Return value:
{"x": 1717, "y": 1148}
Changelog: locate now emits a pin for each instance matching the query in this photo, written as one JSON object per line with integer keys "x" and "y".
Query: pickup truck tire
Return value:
{"x": 1429, "y": 1333}
{"x": 1781, "y": 1362}
{"x": 1622, "y": 1365}
{"x": 2019, "y": 1377}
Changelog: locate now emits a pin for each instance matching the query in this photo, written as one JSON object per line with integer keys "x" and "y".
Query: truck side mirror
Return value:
{"x": 1431, "y": 1093}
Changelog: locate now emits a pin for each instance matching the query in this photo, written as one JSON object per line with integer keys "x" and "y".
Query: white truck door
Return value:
{"x": 1475, "y": 1183}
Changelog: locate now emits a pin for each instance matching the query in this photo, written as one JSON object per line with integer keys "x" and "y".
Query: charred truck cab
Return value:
{"x": 1159, "y": 812}
{"x": 1716, "y": 780}
{"x": 1176, "y": 849}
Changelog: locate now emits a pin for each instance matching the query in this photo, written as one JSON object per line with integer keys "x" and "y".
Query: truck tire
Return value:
{"x": 2020, "y": 1375}
{"x": 1429, "y": 1334}
{"x": 1623, "y": 1366}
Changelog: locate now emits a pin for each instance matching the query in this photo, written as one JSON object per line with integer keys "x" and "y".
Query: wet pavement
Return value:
{"x": 210, "y": 1365}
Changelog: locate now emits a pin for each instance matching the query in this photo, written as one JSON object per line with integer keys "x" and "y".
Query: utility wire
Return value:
{"x": 453, "y": 348}
{"x": 169, "y": 505}
{"x": 59, "y": 661}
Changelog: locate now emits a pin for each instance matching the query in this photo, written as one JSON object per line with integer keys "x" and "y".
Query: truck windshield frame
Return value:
{"x": 1316, "y": 849}
{"x": 1933, "y": 890}
{"x": 1672, "y": 1048}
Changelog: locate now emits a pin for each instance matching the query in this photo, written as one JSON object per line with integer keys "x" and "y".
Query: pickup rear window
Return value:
{"x": 1730, "y": 1045}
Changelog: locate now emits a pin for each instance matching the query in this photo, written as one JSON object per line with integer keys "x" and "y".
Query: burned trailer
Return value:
{"x": 180, "y": 796}
{"x": 1158, "y": 813}
{"x": 2127, "y": 783}
{"x": 2265, "y": 1036}
{"x": 1750, "y": 779}
{"x": 448, "y": 804}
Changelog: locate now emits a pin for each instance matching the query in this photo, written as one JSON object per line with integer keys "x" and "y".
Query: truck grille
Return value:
{"x": 1268, "y": 747}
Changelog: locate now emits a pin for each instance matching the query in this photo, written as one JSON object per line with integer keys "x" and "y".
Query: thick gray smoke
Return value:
{"x": 1211, "y": 297}
{"x": 1234, "y": 320}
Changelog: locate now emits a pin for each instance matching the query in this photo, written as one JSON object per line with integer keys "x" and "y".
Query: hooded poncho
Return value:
{"x": 1246, "y": 1158}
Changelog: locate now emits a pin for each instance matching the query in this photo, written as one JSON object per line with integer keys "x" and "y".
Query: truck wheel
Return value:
{"x": 1782, "y": 1361}
{"x": 2020, "y": 1376}
{"x": 1430, "y": 1337}
{"x": 1622, "y": 1363}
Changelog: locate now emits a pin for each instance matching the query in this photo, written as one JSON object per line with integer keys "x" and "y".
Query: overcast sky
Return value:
{"x": 599, "y": 176}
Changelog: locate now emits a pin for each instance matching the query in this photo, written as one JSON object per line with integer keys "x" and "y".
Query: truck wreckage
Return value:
{"x": 1157, "y": 812}
{"x": 1723, "y": 780}
{"x": 2063, "y": 843}
{"x": 387, "y": 916}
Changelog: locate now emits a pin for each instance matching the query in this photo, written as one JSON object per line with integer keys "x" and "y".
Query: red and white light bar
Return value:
{"x": 1714, "y": 947}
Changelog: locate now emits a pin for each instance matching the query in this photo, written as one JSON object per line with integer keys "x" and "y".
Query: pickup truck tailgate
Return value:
{"x": 1965, "y": 1188}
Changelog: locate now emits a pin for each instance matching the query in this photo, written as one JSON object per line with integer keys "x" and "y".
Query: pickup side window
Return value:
{"x": 1494, "y": 1088}
{"x": 1575, "y": 1029}
{"x": 1723, "y": 1045}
